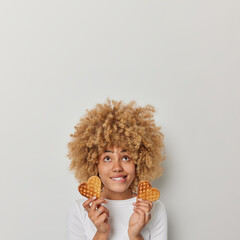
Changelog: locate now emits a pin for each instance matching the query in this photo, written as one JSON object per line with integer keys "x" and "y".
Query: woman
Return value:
{"x": 121, "y": 144}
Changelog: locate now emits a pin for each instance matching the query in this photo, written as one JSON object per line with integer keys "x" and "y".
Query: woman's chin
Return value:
{"x": 118, "y": 189}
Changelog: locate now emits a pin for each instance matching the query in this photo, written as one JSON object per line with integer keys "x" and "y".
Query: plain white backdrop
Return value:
{"x": 59, "y": 58}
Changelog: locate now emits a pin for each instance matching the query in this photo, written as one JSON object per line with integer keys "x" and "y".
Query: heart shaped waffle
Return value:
{"x": 146, "y": 192}
{"x": 91, "y": 188}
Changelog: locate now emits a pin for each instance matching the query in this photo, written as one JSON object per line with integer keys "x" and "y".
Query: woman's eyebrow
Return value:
{"x": 112, "y": 152}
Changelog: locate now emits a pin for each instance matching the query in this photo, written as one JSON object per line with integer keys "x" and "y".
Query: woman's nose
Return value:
{"x": 117, "y": 167}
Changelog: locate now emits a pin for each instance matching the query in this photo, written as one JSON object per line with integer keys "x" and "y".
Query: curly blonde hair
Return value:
{"x": 122, "y": 125}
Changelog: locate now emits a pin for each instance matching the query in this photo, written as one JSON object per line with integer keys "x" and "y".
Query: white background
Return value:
{"x": 59, "y": 58}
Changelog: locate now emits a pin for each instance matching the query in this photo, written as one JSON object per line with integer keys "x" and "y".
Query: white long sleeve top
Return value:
{"x": 80, "y": 226}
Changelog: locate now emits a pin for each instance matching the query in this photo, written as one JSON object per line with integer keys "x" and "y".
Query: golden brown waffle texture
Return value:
{"x": 146, "y": 192}
{"x": 92, "y": 188}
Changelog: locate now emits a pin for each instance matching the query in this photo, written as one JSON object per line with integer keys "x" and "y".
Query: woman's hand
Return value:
{"x": 99, "y": 215}
{"x": 139, "y": 218}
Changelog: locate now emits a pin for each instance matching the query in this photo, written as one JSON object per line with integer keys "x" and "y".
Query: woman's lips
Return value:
{"x": 119, "y": 179}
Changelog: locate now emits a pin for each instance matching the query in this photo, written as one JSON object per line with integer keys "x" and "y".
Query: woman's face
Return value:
{"x": 117, "y": 171}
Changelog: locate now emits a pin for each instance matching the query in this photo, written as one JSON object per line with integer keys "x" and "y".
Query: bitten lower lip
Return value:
{"x": 119, "y": 180}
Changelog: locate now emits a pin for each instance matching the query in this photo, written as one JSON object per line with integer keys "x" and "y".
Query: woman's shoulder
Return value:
{"x": 159, "y": 209}
{"x": 159, "y": 204}
{"x": 80, "y": 201}
{"x": 158, "y": 223}
{"x": 76, "y": 220}
{"x": 77, "y": 207}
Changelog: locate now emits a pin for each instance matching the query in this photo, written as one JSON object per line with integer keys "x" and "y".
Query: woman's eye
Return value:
{"x": 107, "y": 159}
{"x": 126, "y": 158}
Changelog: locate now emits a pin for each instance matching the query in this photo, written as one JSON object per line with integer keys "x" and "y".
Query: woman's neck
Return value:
{"x": 117, "y": 195}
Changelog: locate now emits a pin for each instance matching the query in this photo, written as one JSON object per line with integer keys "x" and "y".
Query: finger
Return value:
{"x": 87, "y": 202}
{"x": 141, "y": 214}
{"x": 142, "y": 202}
{"x": 100, "y": 211}
{"x": 97, "y": 203}
{"x": 147, "y": 217}
{"x": 102, "y": 218}
{"x": 146, "y": 206}
{"x": 147, "y": 213}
